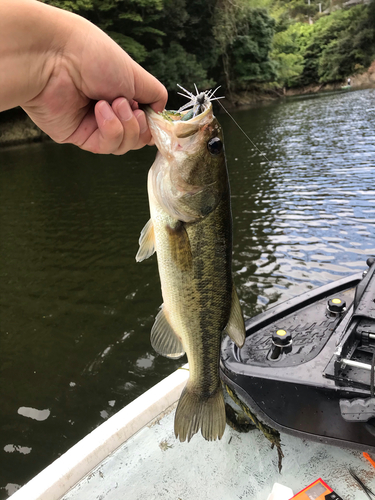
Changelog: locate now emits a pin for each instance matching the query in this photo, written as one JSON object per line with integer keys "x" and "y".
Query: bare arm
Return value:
{"x": 74, "y": 82}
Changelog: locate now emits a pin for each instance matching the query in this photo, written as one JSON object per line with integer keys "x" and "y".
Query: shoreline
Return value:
{"x": 17, "y": 128}
{"x": 254, "y": 98}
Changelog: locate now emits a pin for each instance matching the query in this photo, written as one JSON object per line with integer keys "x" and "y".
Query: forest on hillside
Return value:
{"x": 239, "y": 44}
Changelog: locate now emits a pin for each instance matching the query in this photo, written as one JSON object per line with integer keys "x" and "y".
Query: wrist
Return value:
{"x": 32, "y": 37}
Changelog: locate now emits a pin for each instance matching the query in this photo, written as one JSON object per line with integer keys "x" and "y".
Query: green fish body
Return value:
{"x": 191, "y": 231}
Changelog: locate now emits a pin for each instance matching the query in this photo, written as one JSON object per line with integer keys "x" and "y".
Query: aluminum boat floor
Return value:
{"x": 154, "y": 465}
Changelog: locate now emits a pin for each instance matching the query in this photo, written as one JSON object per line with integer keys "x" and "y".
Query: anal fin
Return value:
{"x": 163, "y": 338}
{"x": 146, "y": 242}
{"x": 236, "y": 325}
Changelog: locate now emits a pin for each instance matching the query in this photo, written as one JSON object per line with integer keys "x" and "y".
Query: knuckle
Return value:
{"x": 117, "y": 133}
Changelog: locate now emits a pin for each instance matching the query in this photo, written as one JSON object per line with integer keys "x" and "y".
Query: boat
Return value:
{"x": 346, "y": 87}
{"x": 307, "y": 366}
{"x": 304, "y": 369}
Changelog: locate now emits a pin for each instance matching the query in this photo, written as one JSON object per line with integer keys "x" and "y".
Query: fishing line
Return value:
{"x": 244, "y": 133}
{"x": 202, "y": 100}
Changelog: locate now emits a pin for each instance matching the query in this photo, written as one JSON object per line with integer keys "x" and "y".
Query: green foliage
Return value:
{"x": 131, "y": 23}
{"x": 350, "y": 45}
{"x": 334, "y": 47}
{"x": 131, "y": 46}
{"x": 237, "y": 43}
{"x": 71, "y": 5}
{"x": 250, "y": 49}
{"x": 300, "y": 10}
{"x": 338, "y": 46}
{"x": 174, "y": 65}
{"x": 189, "y": 50}
{"x": 244, "y": 35}
{"x": 286, "y": 55}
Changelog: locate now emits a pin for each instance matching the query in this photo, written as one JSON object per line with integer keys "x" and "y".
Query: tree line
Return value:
{"x": 239, "y": 44}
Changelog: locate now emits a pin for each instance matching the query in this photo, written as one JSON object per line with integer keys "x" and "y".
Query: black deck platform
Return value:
{"x": 307, "y": 366}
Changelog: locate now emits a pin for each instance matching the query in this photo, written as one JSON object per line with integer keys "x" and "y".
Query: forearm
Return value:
{"x": 31, "y": 34}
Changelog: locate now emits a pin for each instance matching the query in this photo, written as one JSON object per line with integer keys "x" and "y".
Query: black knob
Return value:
{"x": 370, "y": 261}
{"x": 336, "y": 305}
{"x": 281, "y": 338}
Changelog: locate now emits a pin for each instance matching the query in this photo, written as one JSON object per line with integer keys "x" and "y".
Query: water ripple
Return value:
{"x": 312, "y": 206}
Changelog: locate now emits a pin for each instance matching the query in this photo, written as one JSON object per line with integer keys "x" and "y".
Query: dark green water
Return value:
{"x": 77, "y": 310}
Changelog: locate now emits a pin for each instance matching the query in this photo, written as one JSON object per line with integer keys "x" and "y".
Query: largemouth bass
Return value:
{"x": 191, "y": 231}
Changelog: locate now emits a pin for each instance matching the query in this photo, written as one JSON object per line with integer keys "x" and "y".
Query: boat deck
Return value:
{"x": 154, "y": 465}
{"x": 134, "y": 455}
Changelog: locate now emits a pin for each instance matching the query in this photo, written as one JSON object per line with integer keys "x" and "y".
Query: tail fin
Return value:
{"x": 195, "y": 412}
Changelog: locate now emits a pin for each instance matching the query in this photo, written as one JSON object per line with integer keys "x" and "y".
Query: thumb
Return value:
{"x": 148, "y": 89}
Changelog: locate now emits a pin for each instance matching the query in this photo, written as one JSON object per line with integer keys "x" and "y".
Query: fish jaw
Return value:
{"x": 175, "y": 137}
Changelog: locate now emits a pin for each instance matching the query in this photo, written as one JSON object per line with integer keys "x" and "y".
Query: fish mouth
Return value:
{"x": 174, "y": 116}
{"x": 174, "y": 131}
{"x": 200, "y": 114}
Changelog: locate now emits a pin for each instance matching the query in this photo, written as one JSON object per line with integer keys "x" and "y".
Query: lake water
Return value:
{"x": 77, "y": 310}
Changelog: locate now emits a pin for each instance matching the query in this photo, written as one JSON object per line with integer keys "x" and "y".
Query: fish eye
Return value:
{"x": 215, "y": 146}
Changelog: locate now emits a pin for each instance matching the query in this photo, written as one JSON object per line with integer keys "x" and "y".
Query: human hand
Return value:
{"x": 91, "y": 96}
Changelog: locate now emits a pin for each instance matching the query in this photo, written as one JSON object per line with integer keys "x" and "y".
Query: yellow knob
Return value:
{"x": 281, "y": 333}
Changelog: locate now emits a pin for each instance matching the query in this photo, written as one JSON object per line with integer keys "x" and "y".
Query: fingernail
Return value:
{"x": 142, "y": 122}
{"x": 124, "y": 111}
{"x": 105, "y": 110}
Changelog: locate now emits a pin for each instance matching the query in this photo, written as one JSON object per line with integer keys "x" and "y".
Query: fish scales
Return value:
{"x": 191, "y": 230}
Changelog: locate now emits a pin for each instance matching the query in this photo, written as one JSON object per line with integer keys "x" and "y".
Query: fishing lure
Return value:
{"x": 198, "y": 102}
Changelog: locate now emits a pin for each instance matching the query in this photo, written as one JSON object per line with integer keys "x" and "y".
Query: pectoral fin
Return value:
{"x": 179, "y": 244}
{"x": 163, "y": 338}
{"x": 236, "y": 325}
{"x": 146, "y": 242}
